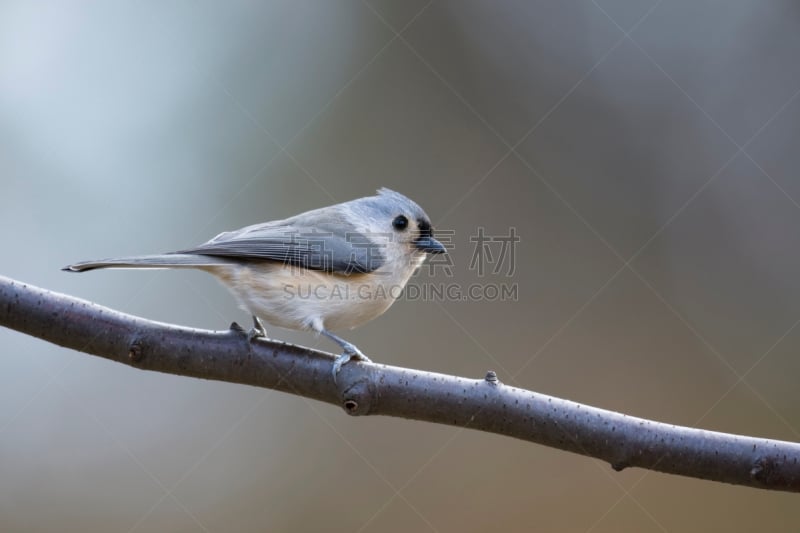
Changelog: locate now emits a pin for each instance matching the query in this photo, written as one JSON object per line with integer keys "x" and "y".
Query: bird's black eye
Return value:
{"x": 400, "y": 222}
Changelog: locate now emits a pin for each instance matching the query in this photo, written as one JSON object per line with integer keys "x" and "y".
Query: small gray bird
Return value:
{"x": 331, "y": 268}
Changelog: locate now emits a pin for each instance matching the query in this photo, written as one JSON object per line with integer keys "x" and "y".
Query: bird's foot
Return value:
{"x": 254, "y": 334}
{"x": 258, "y": 331}
{"x": 350, "y": 352}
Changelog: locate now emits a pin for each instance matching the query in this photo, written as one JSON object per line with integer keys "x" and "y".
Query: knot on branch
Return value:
{"x": 357, "y": 398}
{"x": 136, "y": 351}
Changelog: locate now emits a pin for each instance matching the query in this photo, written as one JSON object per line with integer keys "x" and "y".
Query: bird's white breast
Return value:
{"x": 296, "y": 298}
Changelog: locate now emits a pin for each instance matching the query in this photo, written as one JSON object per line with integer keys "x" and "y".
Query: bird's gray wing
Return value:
{"x": 325, "y": 247}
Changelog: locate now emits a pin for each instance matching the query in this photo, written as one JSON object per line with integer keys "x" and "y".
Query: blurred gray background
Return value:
{"x": 644, "y": 151}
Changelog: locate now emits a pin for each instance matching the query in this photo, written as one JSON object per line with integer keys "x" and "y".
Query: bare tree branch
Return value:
{"x": 374, "y": 389}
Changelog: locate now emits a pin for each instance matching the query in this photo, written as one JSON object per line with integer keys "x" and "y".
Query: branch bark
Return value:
{"x": 375, "y": 389}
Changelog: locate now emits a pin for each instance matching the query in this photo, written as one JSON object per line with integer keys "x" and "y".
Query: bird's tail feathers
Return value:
{"x": 150, "y": 261}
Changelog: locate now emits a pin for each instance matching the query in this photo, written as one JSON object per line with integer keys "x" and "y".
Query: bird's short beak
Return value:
{"x": 429, "y": 245}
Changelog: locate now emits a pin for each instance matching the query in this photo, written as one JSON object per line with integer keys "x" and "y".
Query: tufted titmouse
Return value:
{"x": 331, "y": 268}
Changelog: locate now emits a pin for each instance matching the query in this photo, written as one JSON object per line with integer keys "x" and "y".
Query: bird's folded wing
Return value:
{"x": 330, "y": 251}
